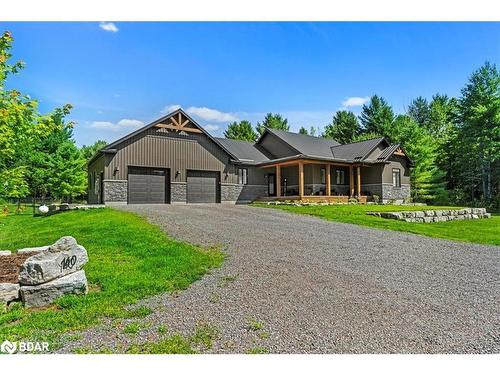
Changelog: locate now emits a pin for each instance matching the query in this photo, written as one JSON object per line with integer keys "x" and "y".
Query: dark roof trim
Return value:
{"x": 156, "y": 122}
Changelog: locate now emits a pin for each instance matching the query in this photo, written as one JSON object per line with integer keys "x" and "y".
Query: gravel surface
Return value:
{"x": 299, "y": 284}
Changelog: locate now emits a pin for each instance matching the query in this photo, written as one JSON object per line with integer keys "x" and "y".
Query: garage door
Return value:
{"x": 148, "y": 185}
{"x": 202, "y": 187}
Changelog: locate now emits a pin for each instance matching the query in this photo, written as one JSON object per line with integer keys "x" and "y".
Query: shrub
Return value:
{"x": 353, "y": 200}
{"x": 376, "y": 198}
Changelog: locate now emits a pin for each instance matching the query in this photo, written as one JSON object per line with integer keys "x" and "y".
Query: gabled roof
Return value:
{"x": 243, "y": 150}
{"x": 110, "y": 148}
{"x": 356, "y": 151}
{"x": 304, "y": 144}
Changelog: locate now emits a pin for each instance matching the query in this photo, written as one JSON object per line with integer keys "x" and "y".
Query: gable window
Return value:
{"x": 396, "y": 177}
{"x": 242, "y": 176}
{"x": 323, "y": 175}
{"x": 339, "y": 177}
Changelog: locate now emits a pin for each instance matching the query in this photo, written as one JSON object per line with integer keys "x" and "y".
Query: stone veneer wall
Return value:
{"x": 390, "y": 192}
{"x": 242, "y": 193}
{"x": 178, "y": 192}
{"x": 115, "y": 191}
{"x": 432, "y": 216}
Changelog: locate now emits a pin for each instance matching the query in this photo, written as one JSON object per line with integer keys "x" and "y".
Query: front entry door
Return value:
{"x": 271, "y": 184}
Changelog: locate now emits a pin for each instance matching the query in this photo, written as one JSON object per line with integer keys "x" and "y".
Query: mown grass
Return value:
{"x": 483, "y": 231}
{"x": 129, "y": 259}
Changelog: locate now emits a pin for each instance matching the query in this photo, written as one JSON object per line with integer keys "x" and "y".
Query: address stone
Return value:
{"x": 45, "y": 294}
{"x": 62, "y": 258}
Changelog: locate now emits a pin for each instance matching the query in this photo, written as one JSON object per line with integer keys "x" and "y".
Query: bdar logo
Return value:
{"x": 8, "y": 347}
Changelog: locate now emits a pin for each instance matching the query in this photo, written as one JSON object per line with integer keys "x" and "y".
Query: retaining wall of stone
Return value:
{"x": 38, "y": 276}
{"x": 434, "y": 216}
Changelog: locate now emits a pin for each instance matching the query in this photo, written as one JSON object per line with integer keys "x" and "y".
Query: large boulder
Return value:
{"x": 8, "y": 292}
{"x": 62, "y": 258}
{"x": 45, "y": 294}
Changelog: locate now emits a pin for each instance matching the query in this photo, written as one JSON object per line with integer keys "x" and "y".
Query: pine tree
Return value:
{"x": 303, "y": 130}
{"x": 479, "y": 131}
{"x": 344, "y": 127}
{"x": 376, "y": 116}
{"x": 419, "y": 111}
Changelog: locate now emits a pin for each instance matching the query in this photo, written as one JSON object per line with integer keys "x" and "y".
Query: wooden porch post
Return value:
{"x": 278, "y": 180}
{"x": 358, "y": 174}
{"x": 328, "y": 182}
{"x": 301, "y": 180}
{"x": 351, "y": 182}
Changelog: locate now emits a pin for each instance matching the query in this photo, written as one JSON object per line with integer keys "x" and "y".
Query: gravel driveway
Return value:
{"x": 299, "y": 284}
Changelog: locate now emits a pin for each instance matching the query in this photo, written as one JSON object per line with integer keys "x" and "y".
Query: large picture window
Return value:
{"x": 339, "y": 177}
{"x": 396, "y": 177}
{"x": 242, "y": 176}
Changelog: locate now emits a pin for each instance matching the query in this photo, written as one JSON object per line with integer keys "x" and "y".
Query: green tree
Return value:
{"x": 313, "y": 131}
{"x": 89, "y": 151}
{"x": 67, "y": 178}
{"x": 427, "y": 180}
{"x": 273, "y": 121}
{"x": 479, "y": 131}
{"x": 344, "y": 127}
{"x": 376, "y": 115}
{"x": 242, "y": 131}
{"x": 419, "y": 110}
{"x": 303, "y": 130}
{"x": 25, "y": 134}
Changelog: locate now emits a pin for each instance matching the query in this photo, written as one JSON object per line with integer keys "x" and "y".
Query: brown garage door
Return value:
{"x": 148, "y": 185}
{"x": 202, "y": 187}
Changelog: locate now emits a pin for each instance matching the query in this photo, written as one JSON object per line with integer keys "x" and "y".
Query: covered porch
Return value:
{"x": 314, "y": 181}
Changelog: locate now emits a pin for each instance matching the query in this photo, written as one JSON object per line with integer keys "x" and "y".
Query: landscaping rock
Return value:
{"x": 62, "y": 258}
{"x": 4, "y": 253}
{"x": 8, "y": 292}
{"x": 45, "y": 294}
{"x": 431, "y": 216}
{"x": 64, "y": 207}
{"x": 32, "y": 249}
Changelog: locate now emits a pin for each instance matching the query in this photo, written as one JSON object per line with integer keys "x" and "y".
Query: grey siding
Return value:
{"x": 396, "y": 162}
{"x": 162, "y": 149}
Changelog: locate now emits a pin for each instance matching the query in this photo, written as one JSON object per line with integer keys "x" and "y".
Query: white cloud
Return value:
{"x": 211, "y": 128}
{"x": 108, "y": 26}
{"x": 170, "y": 108}
{"x": 209, "y": 114}
{"x": 355, "y": 101}
{"x": 115, "y": 126}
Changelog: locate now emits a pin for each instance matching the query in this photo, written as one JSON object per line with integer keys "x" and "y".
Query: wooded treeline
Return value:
{"x": 453, "y": 142}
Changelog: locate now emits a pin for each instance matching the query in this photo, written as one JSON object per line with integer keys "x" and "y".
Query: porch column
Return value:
{"x": 351, "y": 182}
{"x": 328, "y": 182}
{"x": 358, "y": 174}
{"x": 301, "y": 180}
{"x": 278, "y": 181}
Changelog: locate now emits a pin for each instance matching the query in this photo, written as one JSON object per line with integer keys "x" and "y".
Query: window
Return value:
{"x": 396, "y": 177}
{"x": 242, "y": 176}
{"x": 339, "y": 177}
{"x": 323, "y": 175}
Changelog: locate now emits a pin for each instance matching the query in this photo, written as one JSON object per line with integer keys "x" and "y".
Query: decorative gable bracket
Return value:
{"x": 179, "y": 123}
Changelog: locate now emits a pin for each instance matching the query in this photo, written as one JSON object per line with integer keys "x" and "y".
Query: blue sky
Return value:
{"x": 121, "y": 75}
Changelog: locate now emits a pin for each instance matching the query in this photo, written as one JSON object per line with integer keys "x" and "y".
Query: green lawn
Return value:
{"x": 485, "y": 231}
{"x": 129, "y": 259}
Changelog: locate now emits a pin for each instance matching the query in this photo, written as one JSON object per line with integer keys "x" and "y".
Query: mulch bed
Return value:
{"x": 10, "y": 265}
